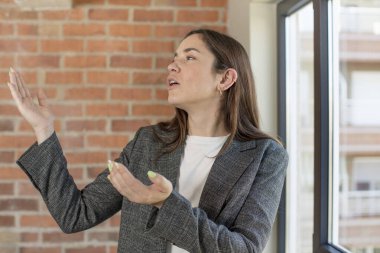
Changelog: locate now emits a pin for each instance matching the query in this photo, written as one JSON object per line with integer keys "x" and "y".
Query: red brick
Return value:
{"x": 153, "y": 15}
{"x": 103, "y": 77}
{"x": 85, "y": 61}
{"x": 7, "y": 221}
{"x": 6, "y": 29}
{"x": 18, "y": 45}
{"x": 6, "y": 125}
{"x": 72, "y": 141}
{"x": 16, "y": 141}
{"x": 152, "y": 46}
{"x": 103, "y": 236}
{"x": 108, "y": 14}
{"x": 62, "y": 45}
{"x": 5, "y": 93}
{"x": 131, "y": 94}
{"x": 85, "y": 93}
{"x": 172, "y": 31}
{"x": 86, "y": 250}
{"x": 6, "y": 188}
{"x": 161, "y": 94}
{"x": 197, "y": 16}
{"x": 17, "y": 14}
{"x": 45, "y": 221}
{"x": 7, "y": 61}
{"x": 12, "y": 173}
{"x": 131, "y": 62}
{"x": 130, "y": 2}
{"x": 64, "y": 77}
{"x": 27, "y": 189}
{"x": 130, "y": 30}
{"x": 18, "y": 205}
{"x": 174, "y": 3}
{"x": 214, "y": 3}
{"x": 149, "y": 78}
{"x": 152, "y": 110}
{"x": 38, "y": 61}
{"x": 49, "y": 30}
{"x": 86, "y": 157}
{"x": 92, "y": 173}
{"x": 67, "y": 110}
{"x": 61, "y": 237}
{"x": 27, "y": 29}
{"x": 83, "y": 30}
{"x": 130, "y": 125}
{"x": 102, "y": 110}
{"x": 163, "y": 62}
{"x": 73, "y": 14}
{"x": 115, "y": 220}
{"x": 31, "y": 249}
{"x": 108, "y": 46}
{"x": 88, "y": 2}
{"x": 85, "y": 125}
{"x": 29, "y": 237}
{"x": 113, "y": 141}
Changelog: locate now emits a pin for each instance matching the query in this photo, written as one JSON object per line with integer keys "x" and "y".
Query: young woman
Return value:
{"x": 207, "y": 181}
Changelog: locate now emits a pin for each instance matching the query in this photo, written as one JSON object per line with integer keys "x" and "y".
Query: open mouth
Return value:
{"x": 173, "y": 82}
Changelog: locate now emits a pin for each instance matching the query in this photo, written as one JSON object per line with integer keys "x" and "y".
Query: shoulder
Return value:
{"x": 265, "y": 147}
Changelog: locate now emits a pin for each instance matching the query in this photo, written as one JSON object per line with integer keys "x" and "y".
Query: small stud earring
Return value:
{"x": 220, "y": 90}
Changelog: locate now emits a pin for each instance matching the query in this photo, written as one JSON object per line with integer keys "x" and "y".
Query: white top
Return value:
{"x": 197, "y": 160}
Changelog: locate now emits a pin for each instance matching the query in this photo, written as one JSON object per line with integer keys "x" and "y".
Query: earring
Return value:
{"x": 220, "y": 90}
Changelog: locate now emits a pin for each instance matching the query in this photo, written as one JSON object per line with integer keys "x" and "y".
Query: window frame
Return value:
{"x": 284, "y": 9}
{"x": 322, "y": 119}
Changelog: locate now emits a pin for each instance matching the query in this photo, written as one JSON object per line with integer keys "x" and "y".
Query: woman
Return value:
{"x": 207, "y": 181}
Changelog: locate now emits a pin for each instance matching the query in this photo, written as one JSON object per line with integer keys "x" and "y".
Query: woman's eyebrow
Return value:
{"x": 186, "y": 50}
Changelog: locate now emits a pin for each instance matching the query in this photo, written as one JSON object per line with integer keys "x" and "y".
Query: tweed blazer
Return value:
{"x": 236, "y": 212}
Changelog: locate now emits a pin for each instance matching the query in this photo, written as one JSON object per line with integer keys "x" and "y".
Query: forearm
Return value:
{"x": 74, "y": 210}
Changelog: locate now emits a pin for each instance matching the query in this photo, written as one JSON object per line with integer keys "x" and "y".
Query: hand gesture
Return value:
{"x": 38, "y": 114}
{"x": 134, "y": 190}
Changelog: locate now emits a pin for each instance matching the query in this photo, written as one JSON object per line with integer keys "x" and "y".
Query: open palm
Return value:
{"x": 38, "y": 115}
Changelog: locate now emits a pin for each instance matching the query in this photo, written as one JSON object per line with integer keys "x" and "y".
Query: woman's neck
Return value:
{"x": 204, "y": 124}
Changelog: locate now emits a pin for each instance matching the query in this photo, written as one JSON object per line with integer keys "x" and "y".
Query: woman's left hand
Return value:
{"x": 134, "y": 190}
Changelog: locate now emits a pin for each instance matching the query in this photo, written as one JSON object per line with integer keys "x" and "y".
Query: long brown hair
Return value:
{"x": 238, "y": 104}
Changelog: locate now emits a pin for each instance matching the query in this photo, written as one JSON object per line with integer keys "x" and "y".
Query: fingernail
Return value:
{"x": 109, "y": 165}
{"x": 151, "y": 174}
{"x": 11, "y": 70}
{"x": 109, "y": 177}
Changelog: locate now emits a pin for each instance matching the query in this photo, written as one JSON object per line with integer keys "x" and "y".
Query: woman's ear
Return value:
{"x": 229, "y": 78}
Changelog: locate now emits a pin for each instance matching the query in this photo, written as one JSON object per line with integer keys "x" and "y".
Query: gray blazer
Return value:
{"x": 235, "y": 214}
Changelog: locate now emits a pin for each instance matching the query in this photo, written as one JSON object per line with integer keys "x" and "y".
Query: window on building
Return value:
{"x": 330, "y": 90}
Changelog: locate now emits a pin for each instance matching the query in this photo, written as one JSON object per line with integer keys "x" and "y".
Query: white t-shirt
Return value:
{"x": 197, "y": 160}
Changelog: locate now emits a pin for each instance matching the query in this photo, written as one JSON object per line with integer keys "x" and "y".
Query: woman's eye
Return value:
{"x": 188, "y": 58}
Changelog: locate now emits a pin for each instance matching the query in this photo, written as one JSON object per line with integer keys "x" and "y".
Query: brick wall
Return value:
{"x": 103, "y": 65}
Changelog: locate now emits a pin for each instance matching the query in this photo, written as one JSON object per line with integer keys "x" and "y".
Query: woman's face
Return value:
{"x": 192, "y": 82}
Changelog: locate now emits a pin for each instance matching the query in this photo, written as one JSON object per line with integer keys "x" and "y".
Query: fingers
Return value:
{"x": 42, "y": 98}
{"x": 160, "y": 183}
{"x": 15, "y": 93}
{"x": 16, "y": 79}
{"x": 134, "y": 190}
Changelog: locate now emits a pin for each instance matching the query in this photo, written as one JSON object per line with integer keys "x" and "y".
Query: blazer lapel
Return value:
{"x": 224, "y": 173}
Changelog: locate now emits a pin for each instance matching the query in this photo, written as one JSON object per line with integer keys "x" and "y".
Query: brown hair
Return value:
{"x": 238, "y": 104}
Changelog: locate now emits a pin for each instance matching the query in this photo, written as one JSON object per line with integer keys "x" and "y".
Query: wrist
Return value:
{"x": 43, "y": 133}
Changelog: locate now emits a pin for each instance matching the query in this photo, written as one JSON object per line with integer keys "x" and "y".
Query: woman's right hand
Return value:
{"x": 38, "y": 115}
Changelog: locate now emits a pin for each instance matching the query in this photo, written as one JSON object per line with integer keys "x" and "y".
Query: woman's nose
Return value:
{"x": 173, "y": 67}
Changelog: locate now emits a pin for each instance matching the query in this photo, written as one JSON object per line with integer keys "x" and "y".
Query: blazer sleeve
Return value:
{"x": 73, "y": 209}
{"x": 191, "y": 229}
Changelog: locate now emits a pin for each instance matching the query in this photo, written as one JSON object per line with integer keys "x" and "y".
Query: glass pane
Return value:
{"x": 356, "y": 220}
{"x": 300, "y": 130}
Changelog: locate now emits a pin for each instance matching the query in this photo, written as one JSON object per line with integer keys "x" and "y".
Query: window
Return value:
{"x": 356, "y": 166}
{"x": 342, "y": 103}
{"x": 299, "y": 130}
